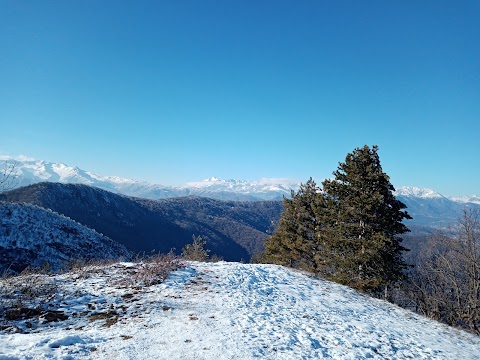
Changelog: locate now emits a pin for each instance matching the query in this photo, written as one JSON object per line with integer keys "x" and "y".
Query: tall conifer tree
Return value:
{"x": 362, "y": 224}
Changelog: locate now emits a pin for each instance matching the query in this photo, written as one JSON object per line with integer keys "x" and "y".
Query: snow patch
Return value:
{"x": 66, "y": 341}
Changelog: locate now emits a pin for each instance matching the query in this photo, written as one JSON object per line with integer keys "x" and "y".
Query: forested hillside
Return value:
{"x": 233, "y": 230}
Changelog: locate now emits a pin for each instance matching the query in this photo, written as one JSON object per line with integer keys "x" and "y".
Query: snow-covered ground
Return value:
{"x": 227, "y": 311}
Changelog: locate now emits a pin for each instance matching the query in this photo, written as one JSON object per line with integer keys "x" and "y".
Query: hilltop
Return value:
{"x": 226, "y": 311}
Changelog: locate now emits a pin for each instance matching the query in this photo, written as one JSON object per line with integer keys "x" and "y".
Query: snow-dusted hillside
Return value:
{"x": 31, "y": 235}
{"x": 227, "y": 311}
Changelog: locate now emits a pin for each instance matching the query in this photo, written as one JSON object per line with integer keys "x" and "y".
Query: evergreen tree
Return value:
{"x": 293, "y": 242}
{"x": 362, "y": 223}
{"x": 196, "y": 250}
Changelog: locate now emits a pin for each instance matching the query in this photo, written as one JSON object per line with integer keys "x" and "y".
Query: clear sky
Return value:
{"x": 176, "y": 91}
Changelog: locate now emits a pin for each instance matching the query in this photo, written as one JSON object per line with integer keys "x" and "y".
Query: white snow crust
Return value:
{"x": 231, "y": 311}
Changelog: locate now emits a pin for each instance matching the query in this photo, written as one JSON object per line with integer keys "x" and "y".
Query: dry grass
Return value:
{"x": 18, "y": 293}
{"x": 36, "y": 292}
{"x": 152, "y": 270}
{"x": 83, "y": 269}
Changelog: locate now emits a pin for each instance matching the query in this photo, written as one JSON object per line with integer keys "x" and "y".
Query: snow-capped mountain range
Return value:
{"x": 414, "y": 191}
{"x": 33, "y": 171}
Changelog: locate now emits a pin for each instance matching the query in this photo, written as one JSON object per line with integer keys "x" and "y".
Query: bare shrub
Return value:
{"x": 18, "y": 293}
{"x": 8, "y": 175}
{"x": 152, "y": 270}
{"x": 84, "y": 268}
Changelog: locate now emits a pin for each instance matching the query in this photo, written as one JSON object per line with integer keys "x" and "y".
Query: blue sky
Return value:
{"x": 177, "y": 91}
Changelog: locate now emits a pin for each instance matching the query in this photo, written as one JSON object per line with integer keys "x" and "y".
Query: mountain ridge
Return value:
{"x": 233, "y": 230}
{"x": 429, "y": 208}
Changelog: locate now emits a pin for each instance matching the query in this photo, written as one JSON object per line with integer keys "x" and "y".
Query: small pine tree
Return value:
{"x": 293, "y": 242}
{"x": 196, "y": 250}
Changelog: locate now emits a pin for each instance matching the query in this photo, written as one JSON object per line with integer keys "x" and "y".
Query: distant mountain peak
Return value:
{"x": 212, "y": 179}
{"x": 413, "y": 191}
{"x": 216, "y": 181}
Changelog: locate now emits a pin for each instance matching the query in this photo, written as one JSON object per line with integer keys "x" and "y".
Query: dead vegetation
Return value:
{"x": 445, "y": 283}
{"x": 17, "y": 291}
{"x": 151, "y": 270}
{"x": 36, "y": 297}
